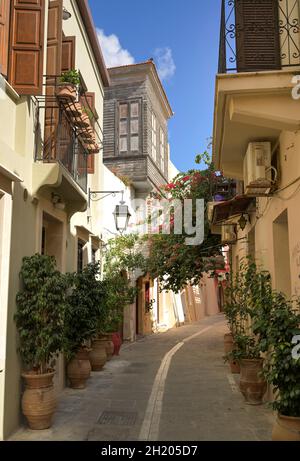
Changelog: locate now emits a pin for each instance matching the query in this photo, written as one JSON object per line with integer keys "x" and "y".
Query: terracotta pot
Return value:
{"x": 228, "y": 343}
{"x": 109, "y": 346}
{"x": 79, "y": 369}
{"x": 116, "y": 339}
{"x": 98, "y": 356}
{"x": 93, "y": 148}
{"x": 39, "y": 400}
{"x": 234, "y": 367}
{"x": 66, "y": 92}
{"x": 286, "y": 429}
{"x": 252, "y": 385}
{"x": 74, "y": 110}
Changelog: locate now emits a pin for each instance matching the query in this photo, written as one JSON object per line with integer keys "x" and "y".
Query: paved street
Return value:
{"x": 173, "y": 387}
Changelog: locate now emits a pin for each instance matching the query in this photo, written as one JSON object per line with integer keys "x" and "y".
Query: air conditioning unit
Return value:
{"x": 229, "y": 233}
{"x": 257, "y": 169}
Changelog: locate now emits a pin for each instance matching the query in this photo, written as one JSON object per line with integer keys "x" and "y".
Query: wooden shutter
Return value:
{"x": 54, "y": 55}
{"x": 257, "y": 35}
{"x": 4, "y": 35}
{"x": 27, "y": 46}
{"x": 90, "y": 99}
{"x": 68, "y": 53}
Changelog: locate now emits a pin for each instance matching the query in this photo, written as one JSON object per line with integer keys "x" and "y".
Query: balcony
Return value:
{"x": 259, "y": 35}
{"x": 61, "y": 149}
{"x": 259, "y": 56}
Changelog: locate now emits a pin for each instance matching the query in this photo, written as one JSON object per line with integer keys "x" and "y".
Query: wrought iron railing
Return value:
{"x": 259, "y": 35}
{"x": 57, "y": 138}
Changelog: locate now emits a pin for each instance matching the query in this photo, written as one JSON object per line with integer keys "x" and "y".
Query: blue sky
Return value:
{"x": 183, "y": 35}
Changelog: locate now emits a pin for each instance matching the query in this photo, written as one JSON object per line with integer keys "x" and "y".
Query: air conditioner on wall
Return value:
{"x": 229, "y": 234}
{"x": 257, "y": 169}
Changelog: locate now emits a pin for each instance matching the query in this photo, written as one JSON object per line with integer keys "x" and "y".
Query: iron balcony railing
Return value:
{"x": 57, "y": 138}
{"x": 259, "y": 35}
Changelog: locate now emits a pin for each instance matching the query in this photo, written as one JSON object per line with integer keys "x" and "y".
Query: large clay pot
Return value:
{"x": 39, "y": 400}
{"x": 228, "y": 343}
{"x": 79, "y": 369}
{"x": 286, "y": 429}
{"x": 252, "y": 385}
{"x": 109, "y": 346}
{"x": 98, "y": 356}
{"x": 234, "y": 367}
{"x": 74, "y": 109}
{"x": 116, "y": 339}
{"x": 66, "y": 92}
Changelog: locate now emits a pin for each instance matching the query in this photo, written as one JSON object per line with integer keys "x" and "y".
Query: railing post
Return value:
{"x": 222, "y": 47}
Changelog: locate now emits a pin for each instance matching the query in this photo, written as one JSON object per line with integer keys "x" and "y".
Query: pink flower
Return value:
{"x": 186, "y": 178}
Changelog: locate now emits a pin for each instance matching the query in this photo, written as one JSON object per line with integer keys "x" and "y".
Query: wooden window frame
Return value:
{"x": 129, "y": 135}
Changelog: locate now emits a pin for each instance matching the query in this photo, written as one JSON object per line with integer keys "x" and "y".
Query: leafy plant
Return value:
{"x": 40, "y": 312}
{"x": 71, "y": 76}
{"x": 282, "y": 370}
{"x": 85, "y": 311}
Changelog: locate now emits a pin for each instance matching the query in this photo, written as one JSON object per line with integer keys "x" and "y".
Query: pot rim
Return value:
{"x": 252, "y": 360}
{"x": 67, "y": 84}
{"x": 289, "y": 418}
{"x": 34, "y": 375}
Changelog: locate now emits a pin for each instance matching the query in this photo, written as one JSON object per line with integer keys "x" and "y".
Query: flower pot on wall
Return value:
{"x": 39, "y": 400}
{"x": 74, "y": 109}
{"x": 98, "y": 355}
{"x": 252, "y": 385}
{"x": 286, "y": 429}
{"x": 79, "y": 369}
{"x": 66, "y": 92}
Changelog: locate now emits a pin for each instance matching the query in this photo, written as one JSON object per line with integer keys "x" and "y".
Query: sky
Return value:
{"x": 182, "y": 36}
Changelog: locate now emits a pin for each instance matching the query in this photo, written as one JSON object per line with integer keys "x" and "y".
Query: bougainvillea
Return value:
{"x": 171, "y": 259}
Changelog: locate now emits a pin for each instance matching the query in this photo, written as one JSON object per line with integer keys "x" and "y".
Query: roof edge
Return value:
{"x": 88, "y": 21}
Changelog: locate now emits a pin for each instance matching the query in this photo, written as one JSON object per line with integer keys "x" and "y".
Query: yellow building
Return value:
{"x": 256, "y": 136}
{"x": 45, "y": 172}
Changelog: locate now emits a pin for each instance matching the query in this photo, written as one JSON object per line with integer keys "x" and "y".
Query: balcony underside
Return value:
{"x": 53, "y": 177}
{"x": 251, "y": 107}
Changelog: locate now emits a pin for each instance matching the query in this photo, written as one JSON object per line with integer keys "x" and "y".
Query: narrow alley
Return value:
{"x": 169, "y": 387}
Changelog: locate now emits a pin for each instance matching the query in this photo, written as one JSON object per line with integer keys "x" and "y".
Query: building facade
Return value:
{"x": 256, "y": 136}
{"x": 45, "y": 170}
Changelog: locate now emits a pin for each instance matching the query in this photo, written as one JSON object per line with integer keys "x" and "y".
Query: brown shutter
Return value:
{"x": 68, "y": 53}
{"x": 27, "y": 46}
{"x": 54, "y": 53}
{"x": 90, "y": 99}
{"x": 257, "y": 35}
{"x": 4, "y": 35}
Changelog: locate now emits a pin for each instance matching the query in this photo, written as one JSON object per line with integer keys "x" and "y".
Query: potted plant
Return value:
{"x": 231, "y": 312}
{"x": 282, "y": 370}
{"x": 82, "y": 312}
{"x": 39, "y": 319}
{"x": 67, "y": 86}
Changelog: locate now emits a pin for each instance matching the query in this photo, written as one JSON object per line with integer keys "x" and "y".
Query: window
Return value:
{"x": 162, "y": 149}
{"x": 129, "y": 127}
{"x": 94, "y": 255}
{"x": 154, "y": 137}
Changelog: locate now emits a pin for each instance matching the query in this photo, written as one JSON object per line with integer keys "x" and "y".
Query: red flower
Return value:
{"x": 186, "y": 178}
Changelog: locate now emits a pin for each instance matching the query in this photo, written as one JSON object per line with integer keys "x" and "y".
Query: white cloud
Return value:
{"x": 114, "y": 54}
{"x": 165, "y": 63}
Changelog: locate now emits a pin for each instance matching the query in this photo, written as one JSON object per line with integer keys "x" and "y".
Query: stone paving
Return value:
{"x": 201, "y": 399}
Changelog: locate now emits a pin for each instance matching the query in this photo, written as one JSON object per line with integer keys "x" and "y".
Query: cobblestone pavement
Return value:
{"x": 173, "y": 386}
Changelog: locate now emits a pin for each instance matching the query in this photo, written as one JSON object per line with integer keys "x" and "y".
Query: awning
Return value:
{"x": 234, "y": 207}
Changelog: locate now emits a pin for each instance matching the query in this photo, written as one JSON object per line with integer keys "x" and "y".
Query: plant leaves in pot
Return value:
{"x": 39, "y": 319}
{"x": 67, "y": 86}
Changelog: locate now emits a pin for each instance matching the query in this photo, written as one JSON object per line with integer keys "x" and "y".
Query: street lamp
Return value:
{"x": 122, "y": 216}
{"x": 243, "y": 222}
{"x": 66, "y": 14}
{"x": 121, "y": 212}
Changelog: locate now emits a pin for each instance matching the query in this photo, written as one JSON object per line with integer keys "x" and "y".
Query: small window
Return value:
{"x": 162, "y": 150}
{"x": 129, "y": 127}
{"x": 154, "y": 137}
